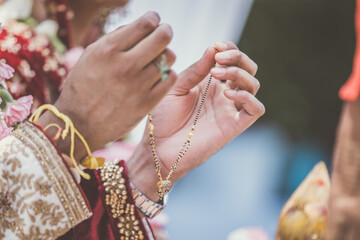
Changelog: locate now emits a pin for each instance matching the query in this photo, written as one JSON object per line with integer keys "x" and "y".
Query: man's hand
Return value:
{"x": 229, "y": 108}
{"x": 116, "y": 83}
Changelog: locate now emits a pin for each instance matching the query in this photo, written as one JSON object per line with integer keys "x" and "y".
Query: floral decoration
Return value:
{"x": 12, "y": 111}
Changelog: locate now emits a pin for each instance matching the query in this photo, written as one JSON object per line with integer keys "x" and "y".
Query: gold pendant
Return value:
{"x": 163, "y": 188}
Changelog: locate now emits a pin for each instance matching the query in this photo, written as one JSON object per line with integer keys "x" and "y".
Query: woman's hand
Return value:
{"x": 229, "y": 108}
{"x": 116, "y": 82}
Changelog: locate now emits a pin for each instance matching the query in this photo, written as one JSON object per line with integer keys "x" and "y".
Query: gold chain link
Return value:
{"x": 164, "y": 185}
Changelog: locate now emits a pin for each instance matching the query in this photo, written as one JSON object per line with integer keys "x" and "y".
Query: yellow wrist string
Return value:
{"x": 58, "y": 133}
{"x": 90, "y": 162}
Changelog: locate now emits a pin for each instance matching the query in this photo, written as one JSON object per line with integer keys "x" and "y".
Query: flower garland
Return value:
{"x": 12, "y": 111}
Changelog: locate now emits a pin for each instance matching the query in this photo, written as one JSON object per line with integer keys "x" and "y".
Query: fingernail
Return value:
{"x": 218, "y": 71}
{"x": 220, "y": 45}
{"x": 223, "y": 56}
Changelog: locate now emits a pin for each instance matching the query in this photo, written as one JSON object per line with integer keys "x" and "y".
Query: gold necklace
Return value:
{"x": 164, "y": 185}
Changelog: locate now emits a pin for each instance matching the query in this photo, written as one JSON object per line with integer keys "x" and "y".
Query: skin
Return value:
{"x": 226, "y": 113}
{"x": 125, "y": 79}
{"x": 83, "y": 16}
{"x": 111, "y": 100}
{"x": 344, "y": 217}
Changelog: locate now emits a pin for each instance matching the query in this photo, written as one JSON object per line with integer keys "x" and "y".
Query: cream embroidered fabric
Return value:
{"x": 38, "y": 197}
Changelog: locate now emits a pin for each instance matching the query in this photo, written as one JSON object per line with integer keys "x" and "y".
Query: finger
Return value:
{"x": 152, "y": 71}
{"x": 160, "y": 88}
{"x": 193, "y": 75}
{"x": 251, "y": 109}
{"x": 225, "y": 46}
{"x": 67, "y": 160}
{"x": 153, "y": 45}
{"x": 128, "y": 36}
{"x": 236, "y": 58}
{"x": 238, "y": 76}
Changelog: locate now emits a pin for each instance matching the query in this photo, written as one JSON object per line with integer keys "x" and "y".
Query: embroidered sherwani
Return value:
{"x": 40, "y": 198}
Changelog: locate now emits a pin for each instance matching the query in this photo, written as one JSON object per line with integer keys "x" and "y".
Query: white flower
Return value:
{"x": 48, "y": 28}
{"x": 15, "y": 9}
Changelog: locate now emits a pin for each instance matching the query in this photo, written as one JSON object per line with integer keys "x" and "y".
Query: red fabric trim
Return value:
{"x": 98, "y": 226}
{"x": 351, "y": 89}
{"x": 130, "y": 198}
{"x": 101, "y": 225}
{"x": 102, "y": 194}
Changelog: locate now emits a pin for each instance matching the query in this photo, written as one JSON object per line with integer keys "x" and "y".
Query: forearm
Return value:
{"x": 142, "y": 172}
{"x": 345, "y": 189}
{"x": 346, "y": 163}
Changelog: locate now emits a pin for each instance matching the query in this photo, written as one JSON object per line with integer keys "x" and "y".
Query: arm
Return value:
{"x": 345, "y": 190}
{"x": 100, "y": 99}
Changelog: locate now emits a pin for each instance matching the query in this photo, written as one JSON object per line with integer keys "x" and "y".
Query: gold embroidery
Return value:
{"x": 116, "y": 195}
{"x": 48, "y": 211}
{"x": 27, "y": 198}
{"x": 55, "y": 169}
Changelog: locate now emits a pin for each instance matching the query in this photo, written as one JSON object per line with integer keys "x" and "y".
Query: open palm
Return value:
{"x": 229, "y": 108}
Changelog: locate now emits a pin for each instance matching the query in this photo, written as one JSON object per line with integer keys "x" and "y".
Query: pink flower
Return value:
{"x": 4, "y": 129}
{"x": 72, "y": 56}
{"x": 6, "y": 71}
{"x": 18, "y": 111}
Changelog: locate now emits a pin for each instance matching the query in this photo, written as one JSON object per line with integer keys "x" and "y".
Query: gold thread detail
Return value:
{"x": 116, "y": 197}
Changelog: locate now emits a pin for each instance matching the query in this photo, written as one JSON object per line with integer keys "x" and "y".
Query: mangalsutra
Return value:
{"x": 165, "y": 184}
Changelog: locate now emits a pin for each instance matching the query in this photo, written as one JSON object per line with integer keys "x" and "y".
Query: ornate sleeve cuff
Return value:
{"x": 39, "y": 199}
{"x": 120, "y": 202}
{"x": 114, "y": 213}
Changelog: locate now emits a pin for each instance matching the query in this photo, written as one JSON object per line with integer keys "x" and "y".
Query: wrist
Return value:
{"x": 142, "y": 172}
{"x": 63, "y": 145}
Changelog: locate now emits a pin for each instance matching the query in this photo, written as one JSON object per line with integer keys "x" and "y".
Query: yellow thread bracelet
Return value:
{"x": 90, "y": 161}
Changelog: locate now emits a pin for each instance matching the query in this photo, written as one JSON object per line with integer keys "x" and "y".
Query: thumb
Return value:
{"x": 194, "y": 74}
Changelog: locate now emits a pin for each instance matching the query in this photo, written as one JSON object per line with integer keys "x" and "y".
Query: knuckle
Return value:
{"x": 261, "y": 109}
{"x": 105, "y": 46}
{"x": 166, "y": 33}
{"x": 240, "y": 56}
{"x": 256, "y": 67}
{"x": 127, "y": 65}
{"x": 231, "y": 44}
{"x": 154, "y": 15}
{"x": 107, "y": 49}
{"x": 231, "y": 73}
{"x": 257, "y": 84}
{"x": 245, "y": 95}
{"x": 172, "y": 77}
{"x": 128, "y": 68}
{"x": 171, "y": 57}
{"x": 240, "y": 73}
{"x": 149, "y": 21}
